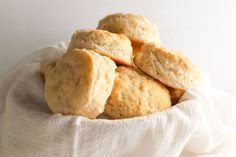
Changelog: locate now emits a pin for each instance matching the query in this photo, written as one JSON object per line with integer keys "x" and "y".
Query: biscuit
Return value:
{"x": 79, "y": 83}
{"x": 136, "y": 94}
{"x": 116, "y": 46}
{"x": 175, "y": 95}
{"x": 138, "y": 28}
{"x": 169, "y": 67}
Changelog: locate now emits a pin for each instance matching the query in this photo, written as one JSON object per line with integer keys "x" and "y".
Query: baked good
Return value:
{"x": 169, "y": 67}
{"x": 175, "y": 95}
{"x": 116, "y": 46}
{"x": 138, "y": 28}
{"x": 79, "y": 83}
{"x": 136, "y": 94}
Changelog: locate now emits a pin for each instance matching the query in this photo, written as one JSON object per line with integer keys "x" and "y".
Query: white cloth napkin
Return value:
{"x": 203, "y": 124}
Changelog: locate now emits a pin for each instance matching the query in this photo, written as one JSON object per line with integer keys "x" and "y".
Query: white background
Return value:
{"x": 205, "y": 30}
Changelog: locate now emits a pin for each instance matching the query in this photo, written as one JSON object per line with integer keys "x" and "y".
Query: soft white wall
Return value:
{"x": 204, "y": 30}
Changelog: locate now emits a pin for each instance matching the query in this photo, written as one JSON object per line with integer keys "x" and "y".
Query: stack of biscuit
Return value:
{"x": 119, "y": 69}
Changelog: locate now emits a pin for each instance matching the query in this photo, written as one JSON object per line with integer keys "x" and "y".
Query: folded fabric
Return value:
{"x": 202, "y": 124}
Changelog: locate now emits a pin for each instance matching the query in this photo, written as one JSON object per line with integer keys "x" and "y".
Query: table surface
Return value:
{"x": 204, "y": 30}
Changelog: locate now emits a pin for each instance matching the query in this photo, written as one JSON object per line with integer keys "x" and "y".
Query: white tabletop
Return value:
{"x": 204, "y": 30}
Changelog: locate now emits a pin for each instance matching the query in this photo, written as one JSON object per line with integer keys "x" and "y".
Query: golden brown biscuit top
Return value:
{"x": 116, "y": 46}
{"x": 100, "y": 34}
{"x": 136, "y": 27}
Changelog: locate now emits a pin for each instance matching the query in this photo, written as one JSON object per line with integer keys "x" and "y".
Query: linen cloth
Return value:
{"x": 202, "y": 124}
